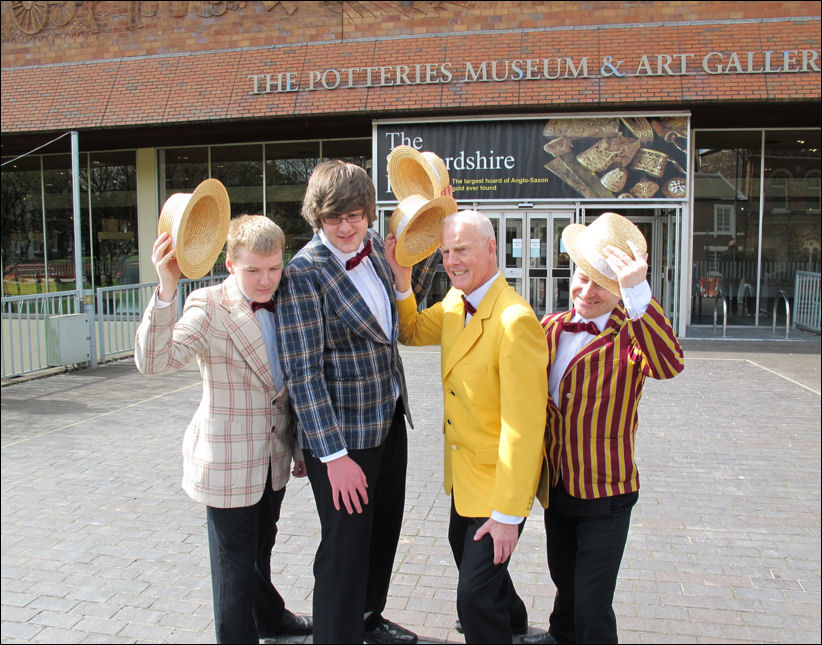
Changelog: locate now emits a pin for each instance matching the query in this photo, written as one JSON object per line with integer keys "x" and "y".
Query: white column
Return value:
{"x": 148, "y": 210}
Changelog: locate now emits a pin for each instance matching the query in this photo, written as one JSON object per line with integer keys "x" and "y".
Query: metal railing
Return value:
{"x": 807, "y": 301}
{"x": 120, "y": 310}
{"x": 784, "y": 296}
{"x": 24, "y": 328}
{"x": 721, "y": 294}
{"x": 113, "y": 322}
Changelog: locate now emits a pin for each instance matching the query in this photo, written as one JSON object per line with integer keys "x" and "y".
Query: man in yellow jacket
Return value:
{"x": 494, "y": 361}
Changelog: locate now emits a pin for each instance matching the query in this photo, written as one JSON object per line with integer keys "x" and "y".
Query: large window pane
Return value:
{"x": 287, "y": 169}
{"x": 356, "y": 151}
{"x": 22, "y": 226}
{"x": 181, "y": 170}
{"x": 113, "y": 228}
{"x": 727, "y": 258}
{"x": 726, "y": 225}
{"x": 59, "y": 219}
{"x": 240, "y": 168}
{"x": 791, "y": 220}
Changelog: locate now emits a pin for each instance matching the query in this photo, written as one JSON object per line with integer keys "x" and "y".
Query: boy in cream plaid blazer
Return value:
{"x": 238, "y": 447}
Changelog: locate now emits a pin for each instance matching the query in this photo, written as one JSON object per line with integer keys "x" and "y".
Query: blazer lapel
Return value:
{"x": 244, "y": 331}
{"x": 349, "y": 304}
{"x": 604, "y": 336}
{"x": 461, "y": 340}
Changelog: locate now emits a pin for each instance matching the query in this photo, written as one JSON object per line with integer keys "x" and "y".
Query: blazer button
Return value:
{"x": 452, "y": 393}
{"x": 448, "y": 421}
{"x": 568, "y": 396}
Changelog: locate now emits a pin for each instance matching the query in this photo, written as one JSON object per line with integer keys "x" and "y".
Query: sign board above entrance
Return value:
{"x": 630, "y": 157}
{"x": 537, "y": 69}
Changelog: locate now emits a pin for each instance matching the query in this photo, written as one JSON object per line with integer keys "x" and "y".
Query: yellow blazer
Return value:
{"x": 495, "y": 392}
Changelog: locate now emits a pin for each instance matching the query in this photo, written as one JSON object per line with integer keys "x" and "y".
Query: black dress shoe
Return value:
{"x": 516, "y": 630}
{"x": 291, "y": 625}
{"x": 387, "y": 632}
{"x": 537, "y": 639}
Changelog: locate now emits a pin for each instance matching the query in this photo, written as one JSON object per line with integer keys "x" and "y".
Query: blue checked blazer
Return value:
{"x": 338, "y": 365}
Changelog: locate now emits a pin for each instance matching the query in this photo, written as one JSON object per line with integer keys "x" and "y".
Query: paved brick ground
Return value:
{"x": 99, "y": 544}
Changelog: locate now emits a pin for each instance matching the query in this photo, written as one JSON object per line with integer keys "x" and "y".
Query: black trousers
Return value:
{"x": 487, "y": 603}
{"x": 352, "y": 568}
{"x": 240, "y": 541}
{"x": 586, "y": 540}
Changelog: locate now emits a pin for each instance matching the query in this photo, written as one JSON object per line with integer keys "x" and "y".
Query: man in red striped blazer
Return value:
{"x": 601, "y": 352}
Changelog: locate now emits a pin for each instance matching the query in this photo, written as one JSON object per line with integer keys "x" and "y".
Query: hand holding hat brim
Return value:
{"x": 417, "y": 224}
{"x": 630, "y": 270}
{"x": 198, "y": 225}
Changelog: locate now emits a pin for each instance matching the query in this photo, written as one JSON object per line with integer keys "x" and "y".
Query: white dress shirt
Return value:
{"x": 368, "y": 283}
{"x": 476, "y": 296}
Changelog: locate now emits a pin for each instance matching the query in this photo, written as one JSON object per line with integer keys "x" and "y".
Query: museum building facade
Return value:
{"x": 700, "y": 121}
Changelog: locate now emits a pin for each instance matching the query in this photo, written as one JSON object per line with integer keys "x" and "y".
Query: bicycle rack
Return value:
{"x": 721, "y": 294}
{"x": 784, "y": 296}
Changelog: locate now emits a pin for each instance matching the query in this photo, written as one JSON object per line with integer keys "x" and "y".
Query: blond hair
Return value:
{"x": 256, "y": 233}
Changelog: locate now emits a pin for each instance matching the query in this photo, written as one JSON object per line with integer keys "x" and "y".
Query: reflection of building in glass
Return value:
{"x": 727, "y": 254}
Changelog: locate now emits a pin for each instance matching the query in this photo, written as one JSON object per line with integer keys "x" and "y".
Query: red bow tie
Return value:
{"x": 263, "y": 305}
{"x": 575, "y": 327}
{"x": 355, "y": 261}
{"x": 469, "y": 308}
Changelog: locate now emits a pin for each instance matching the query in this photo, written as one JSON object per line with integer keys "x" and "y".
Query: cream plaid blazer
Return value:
{"x": 242, "y": 422}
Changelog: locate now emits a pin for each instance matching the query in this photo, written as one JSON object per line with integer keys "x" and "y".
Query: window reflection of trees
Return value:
{"x": 21, "y": 207}
{"x": 114, "y": 220}
{"x": 287, "y": 179}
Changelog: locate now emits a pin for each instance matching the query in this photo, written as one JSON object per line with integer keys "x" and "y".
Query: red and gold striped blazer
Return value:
{"x": 591, "y": 429}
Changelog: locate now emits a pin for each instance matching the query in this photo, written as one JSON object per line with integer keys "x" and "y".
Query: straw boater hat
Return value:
{"x": 585, "y": 244}
{"x": 412, "y": 172}
{"x": 198, "y": 225}
{"x": 417, "y": 225}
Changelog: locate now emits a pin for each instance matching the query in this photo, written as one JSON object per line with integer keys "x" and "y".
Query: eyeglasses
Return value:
{"x": 351, "y": 218}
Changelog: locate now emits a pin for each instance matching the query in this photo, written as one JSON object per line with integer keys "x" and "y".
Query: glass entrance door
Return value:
{"x": 660, "y": 226}
{"x": 531, "y": 257}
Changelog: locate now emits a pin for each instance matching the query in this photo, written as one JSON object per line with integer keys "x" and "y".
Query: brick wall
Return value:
{"x": 102, "y": 30}
{"x": 132, "y": 63}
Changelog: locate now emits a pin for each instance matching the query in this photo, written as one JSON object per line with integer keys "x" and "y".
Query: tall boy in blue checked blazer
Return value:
{"x": 337, "y": 326}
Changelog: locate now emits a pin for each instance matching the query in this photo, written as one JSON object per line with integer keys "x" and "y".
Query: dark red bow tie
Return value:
{"x": 575, "y": 327}
{"x": 469, "y": 308}
{"x": 263, "y": 305}
{"x": 355, "y": 261}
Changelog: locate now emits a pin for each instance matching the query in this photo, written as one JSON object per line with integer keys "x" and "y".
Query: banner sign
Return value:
{"x": 637, "y": 157}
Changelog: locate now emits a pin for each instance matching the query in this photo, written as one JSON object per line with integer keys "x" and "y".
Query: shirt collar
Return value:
{"x": 478, "y": 294}
{"x": 600, "y": 321}
{"x": 342, "y": 257}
